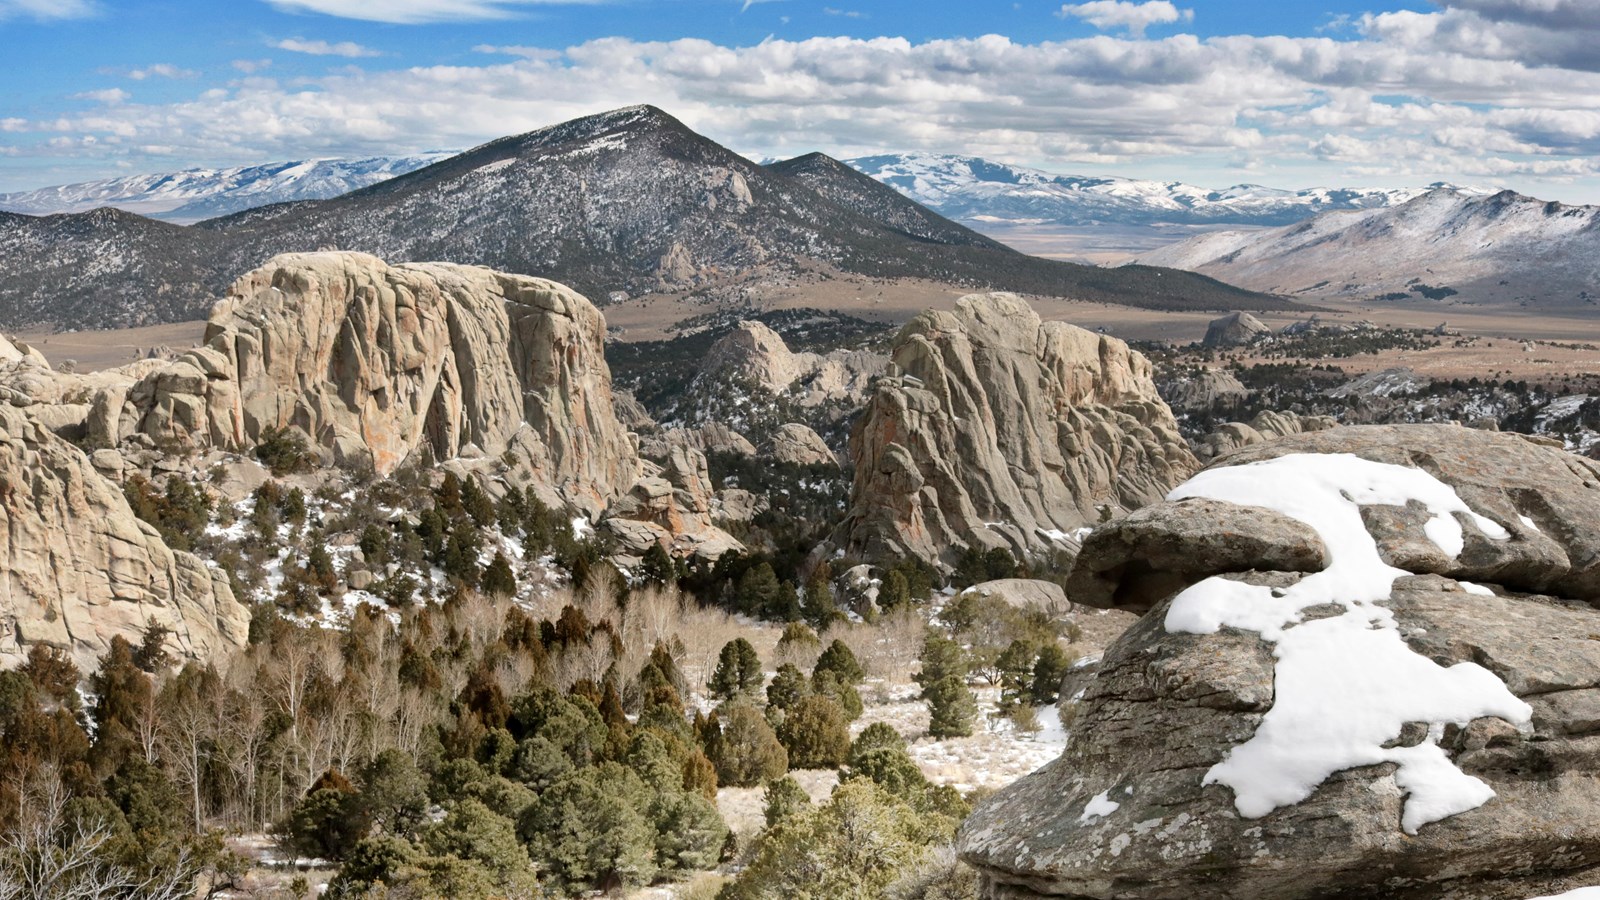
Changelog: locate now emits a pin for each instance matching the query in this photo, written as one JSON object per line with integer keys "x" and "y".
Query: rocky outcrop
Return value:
{"x": 994, "y": 429}
{"x": 1205, "y": 390}
{"x": 1266, "y": 425}
{"x": 1233, "y": 330}
{"x": 375, "y": 363}
{"x": 798, "y": 445}
{"x": 1471, "y": 776}
{"x": 754, "y": 355}
{"x": 712, "y": 437}
{"x": 78, "y": 568}
{"x": 672, "y": 505}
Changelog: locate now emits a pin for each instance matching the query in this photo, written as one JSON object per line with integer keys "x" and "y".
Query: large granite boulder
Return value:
{"x": 1398, "y": 696}
{"x": 797, "y": 444}
{"x": 78, "y": 568}
{"x": 1233, "y": 330}
{"x": 374, "y": 363}
{"x": 995, "y": 429}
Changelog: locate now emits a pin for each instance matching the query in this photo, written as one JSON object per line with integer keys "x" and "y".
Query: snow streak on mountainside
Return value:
{"x": 978, "y": 190}
{"x": 1452, "y": 246}
{"x": 195, "y": 194}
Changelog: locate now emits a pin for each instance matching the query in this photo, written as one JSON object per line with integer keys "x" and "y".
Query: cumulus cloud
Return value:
{"x": 1108, "y": 15}
{"x": 348, "y": 49}
{"x": 413, "y": 12}
{"x": 46, "y": 10}
{"x": 1394, "y": 101}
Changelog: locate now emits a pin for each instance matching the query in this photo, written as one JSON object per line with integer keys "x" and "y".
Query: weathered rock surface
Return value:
{"x": 797, "y": 444}
{"x": 995, "y": 429}
{"x": 1026, "y": 593}
{"x": 78, "y": 568}
{"x": 1124, "y": 812}
{"x": 754, "y": 355}
{"x": 1205, "y": 390}
{"x": 1233, "y": 330}
{"x": 372, "y": 362}
{"x": 1266, "y": 425}
{"x": 712, "y": 437}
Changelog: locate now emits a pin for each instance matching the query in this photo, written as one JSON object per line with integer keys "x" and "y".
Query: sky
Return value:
{"x": 1379, "y": 93}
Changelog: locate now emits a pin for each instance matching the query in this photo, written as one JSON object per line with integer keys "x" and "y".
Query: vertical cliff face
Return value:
{"x": 77, "y": 567}
{"x": 994, "y": 429}
{"x": 378, "y": 363}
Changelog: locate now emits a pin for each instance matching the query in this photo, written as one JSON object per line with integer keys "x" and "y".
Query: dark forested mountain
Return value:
{"x": 629, "y": 200}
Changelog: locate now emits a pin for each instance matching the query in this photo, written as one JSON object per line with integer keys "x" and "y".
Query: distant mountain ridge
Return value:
{"x": 1449, "y": 245}
{"x": 195, "y": 194}
{"x": 972, "y": 189}
{"x": 629, "y": 201}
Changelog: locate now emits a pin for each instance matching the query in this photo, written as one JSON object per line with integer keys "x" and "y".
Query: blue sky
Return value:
{"x": 1214, "y": 92}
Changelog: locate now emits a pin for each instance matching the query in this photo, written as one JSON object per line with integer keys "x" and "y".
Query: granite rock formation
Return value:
{"x": 1132, "y": 808}
{"x": 995, "y": 429}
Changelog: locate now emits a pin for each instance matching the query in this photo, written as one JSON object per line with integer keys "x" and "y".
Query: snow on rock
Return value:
{"x": 1345, "y": 684}
{"x": 1099, "y": 806}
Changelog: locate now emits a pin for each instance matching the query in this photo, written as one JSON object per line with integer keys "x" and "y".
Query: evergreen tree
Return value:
{"x": 759, "y": 592}
{"x": 788, "y": 688}
{"x": 1016, "y": 664}
{"x": 657, "y": 567}
{"x": 587, "y": 829}
{"x": 498, "y": 579}
{"x": 825, "y": 683}
{"x": 816, "y": 734}
{"x": 1052, "y": 666}
{"x": 748, "y": 752}
{"x": 784, "y": 798}
{"x": 951, "y": 705}
{"x": 818, "y": 606}
{"x": 738, "y": 671}
{"x": 839, "y": 660}
{"x": 895, "y": 591}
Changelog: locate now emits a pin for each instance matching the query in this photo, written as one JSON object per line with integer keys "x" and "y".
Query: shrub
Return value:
{"x": 284, "y": 451}
{"x": 815, "y": 733}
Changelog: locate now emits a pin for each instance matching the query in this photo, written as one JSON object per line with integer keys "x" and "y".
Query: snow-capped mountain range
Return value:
{"x": 1449, "y": 245}
{"x": 978, "y": 190}
{"x": 196, "y": 194}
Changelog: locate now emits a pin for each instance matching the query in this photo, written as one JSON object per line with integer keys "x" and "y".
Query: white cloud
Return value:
{"x": 413, "y": 12}
{"x": 252, "y": 66}
{"x": 160, "y": 70}
{"x": 1393, "y": 97}
{"x": 109, "y": 96}
{"x": 517, "y": 50}
{"x": 1108, "y": 15}
{"x": 46, "y": 10}
{"x": 846, "y": 13}
{"x": 348, "y": 49}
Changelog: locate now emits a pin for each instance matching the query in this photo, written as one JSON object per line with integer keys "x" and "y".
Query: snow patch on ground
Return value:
{"x": 1345, "y": 685}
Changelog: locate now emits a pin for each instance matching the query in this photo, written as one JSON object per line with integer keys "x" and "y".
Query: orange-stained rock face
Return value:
{"x": 995, "y": 429}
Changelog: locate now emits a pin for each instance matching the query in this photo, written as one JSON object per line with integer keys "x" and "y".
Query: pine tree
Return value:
{"x": 498, "y": 579}
{"x": 738, "y": 670}
{"x": 657, "y": 567}
{"x": 788, "y": 688}
{"x": 895, "y": 592}
{"x": 839, "y": 660}
{"x": 818, "y": 606}
{"x": 759, "y": 592}
{"x": 951, "y": 705}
